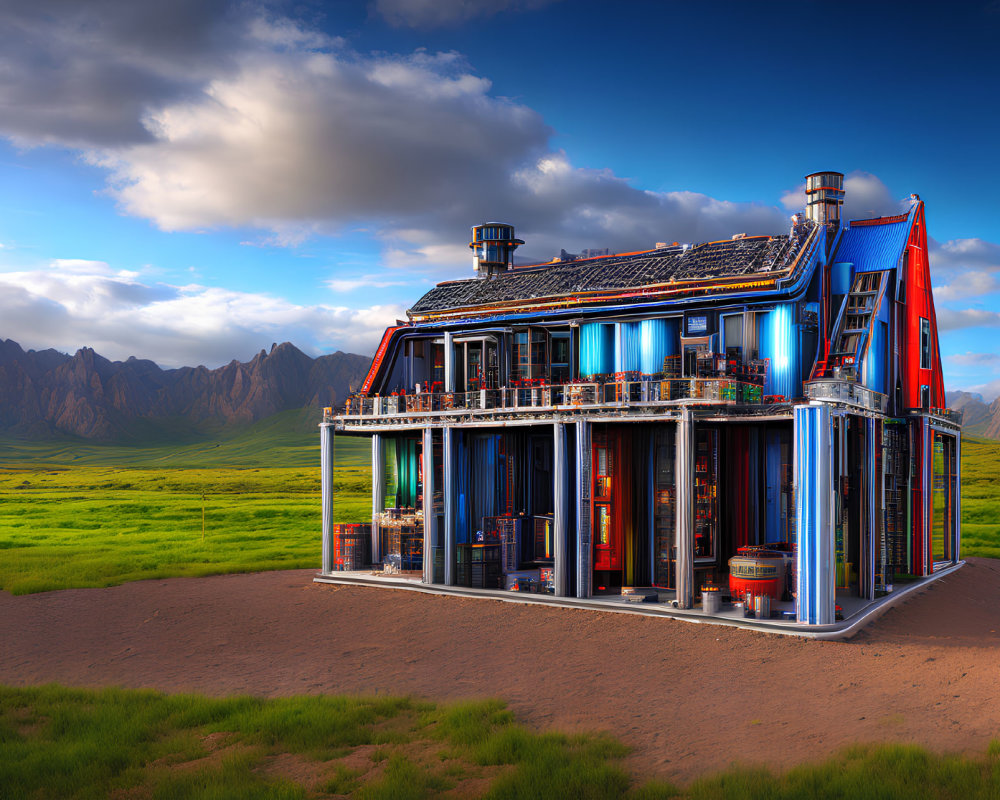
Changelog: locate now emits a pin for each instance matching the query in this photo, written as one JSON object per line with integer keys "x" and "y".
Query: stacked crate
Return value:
{"x": 352, "y": 546}
{"x": 479, "y": 566}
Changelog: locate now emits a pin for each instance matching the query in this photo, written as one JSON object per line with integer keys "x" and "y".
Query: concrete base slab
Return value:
{"x": 858, "y": 612}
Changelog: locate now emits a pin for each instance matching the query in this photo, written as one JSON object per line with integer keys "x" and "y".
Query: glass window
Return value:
{"x": 925, "y": 344}
{"x": 521, "y": 355}
{"x": 733, "y": 330}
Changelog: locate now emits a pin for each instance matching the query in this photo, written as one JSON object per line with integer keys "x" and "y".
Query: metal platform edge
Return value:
{"x": 842, "y": 630}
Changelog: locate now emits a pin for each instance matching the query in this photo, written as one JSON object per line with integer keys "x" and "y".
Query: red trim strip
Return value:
{"x": 377, "y": 361}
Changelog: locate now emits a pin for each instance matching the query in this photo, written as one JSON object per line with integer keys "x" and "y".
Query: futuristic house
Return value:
{"x": 760, "y": 416}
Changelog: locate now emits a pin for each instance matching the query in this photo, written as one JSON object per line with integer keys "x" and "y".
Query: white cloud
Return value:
{"x": 344, "y": 285}
{"x": 972, "y": 283}
{"x": 174, "y": 325}
{"x": 973, "y": 359}
{"x": 287, "y": 131}
{"x": 953, "y": 319}
{"x": 436, "y": 13}
{"x": 81, "y": 266}
{"x": 989, "y": 390}
{"x": 957, "y": 257}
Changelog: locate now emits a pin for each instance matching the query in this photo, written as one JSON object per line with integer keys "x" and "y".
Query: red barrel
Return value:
{"x": 758, "y": 571}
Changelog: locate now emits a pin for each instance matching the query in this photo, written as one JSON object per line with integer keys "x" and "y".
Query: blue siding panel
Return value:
{"x": 871, "y": 247}
{"x": 628, "y": 347}
{"x": 659, "y": 339}
{"x": 597, "y": 346}
{"x": 815, "y": 604}
{"x": 779, "y": 343}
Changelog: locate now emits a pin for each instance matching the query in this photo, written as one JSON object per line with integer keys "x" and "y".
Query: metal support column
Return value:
{"x": 684, "y": 538}
{"x": 927, "y": 499}
{"x": 814, "y": 504}
{"x": 378, "y": 493}
{"x": 448, "y": 463}
{"x": 449, "y": 363}
{"x": 326, "y": 492}
{"x": 584, "y": 572}
{"x": 957, "y": 499}
{"x": 560, "y": 502}
{"x": 430, "y": 518}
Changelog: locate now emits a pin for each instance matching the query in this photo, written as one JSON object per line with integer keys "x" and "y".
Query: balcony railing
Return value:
{"x": 848, "y": 393}
{"x": 540, "y": 397}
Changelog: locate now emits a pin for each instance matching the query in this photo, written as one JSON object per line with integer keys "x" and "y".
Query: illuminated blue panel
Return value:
{"x": 840, "y": 277}
{"x": 779, "y": 343}
{"x": 658, "y": 340}
{"x": 815, "y": 604}
{"x": 597, "y": 345}
{"x": 874, "y": 368}
{"x": 627, "y": 347}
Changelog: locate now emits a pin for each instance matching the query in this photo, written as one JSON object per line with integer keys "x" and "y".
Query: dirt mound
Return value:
{"x": 688, "y": 698}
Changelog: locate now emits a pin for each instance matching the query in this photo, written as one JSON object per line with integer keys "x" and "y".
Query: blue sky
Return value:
{"x": 191, "y": 181}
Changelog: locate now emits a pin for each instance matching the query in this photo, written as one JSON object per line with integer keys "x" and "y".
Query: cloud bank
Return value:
{"x": 214, "y": 114}
{"x": 119, "y": 315}
{"x": 230, "y": 115}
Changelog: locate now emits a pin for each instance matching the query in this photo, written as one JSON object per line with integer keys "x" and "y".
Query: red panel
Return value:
{"x": 377, "y": 361}
{"x": 920, "y": 305}
{"x": 616, "y": 498}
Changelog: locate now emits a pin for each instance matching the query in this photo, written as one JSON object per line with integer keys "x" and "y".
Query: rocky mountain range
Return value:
{"x": 48, "y": 393}
{"x": 978, "y": 417}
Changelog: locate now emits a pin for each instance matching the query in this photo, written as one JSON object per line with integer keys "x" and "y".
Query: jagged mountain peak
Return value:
{"x": 87, "y": 395}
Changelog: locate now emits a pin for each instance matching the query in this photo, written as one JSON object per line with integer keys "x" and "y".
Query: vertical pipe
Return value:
{"x": 957, "y": 495}
{"x": 584, "y": 457}
{"x": 560, "y": 493}
{"x": 873, "y": 502}
{"x": 814, "y": 502}
{"x": 326, "y": 492}
{"x": 430, "y": 518}
{"x": 927, "y": 498}
{"x": 378, "y": 493}
{"x": 449, "y": 363}
{"x": 448, "y": 462}
{"x": 684, "y": 540}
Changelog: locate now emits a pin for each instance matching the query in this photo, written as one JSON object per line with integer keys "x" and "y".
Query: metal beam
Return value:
{"x": 448, "y": 462}
{"x": 430, "y": 518}
{"x": 326, "y": 492}
{"x": 449, "y": 363}
{"x": 584, "y": 572}
{"x": 684, "y": 535}
{"x": 378, "y": 493}
{"x": 814, "y": 504}
{"x": 560, "y": 500}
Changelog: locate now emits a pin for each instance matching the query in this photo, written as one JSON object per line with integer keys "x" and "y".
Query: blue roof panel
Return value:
{"x": 874, "y": 246}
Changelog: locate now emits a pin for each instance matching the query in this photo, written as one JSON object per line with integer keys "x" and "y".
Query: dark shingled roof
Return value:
{"x": 704, "y": 262}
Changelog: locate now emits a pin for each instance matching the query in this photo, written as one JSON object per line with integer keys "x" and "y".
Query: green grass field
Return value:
{"x": 82, "y": 514}
{"x": 70, "y": 743}
{"x": 980, "y": 497}
{"x": 77, "y": 514}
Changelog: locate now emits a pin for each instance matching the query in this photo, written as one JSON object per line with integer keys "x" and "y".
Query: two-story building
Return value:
{"x": 646, "y": 421}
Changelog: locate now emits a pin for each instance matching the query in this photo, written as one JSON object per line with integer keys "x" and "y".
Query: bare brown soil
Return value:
{"x": 688, "y": 698}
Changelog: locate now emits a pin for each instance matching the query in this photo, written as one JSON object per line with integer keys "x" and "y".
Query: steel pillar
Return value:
{"x": 326, "y": 492}
{"x": 684, "y": 538}
{"x": 584, "y": 571}
{"x": 560, "y": 502}
{"x": 448, "y": 463}
{"x": 449, "y": 363}
{"x": 430, "y": 518}
{"x": 378, "y": 493}
{"x": 814, "y": 504}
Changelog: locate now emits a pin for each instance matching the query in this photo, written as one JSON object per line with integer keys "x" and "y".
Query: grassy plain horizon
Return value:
{"x": 83, "y": 514}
